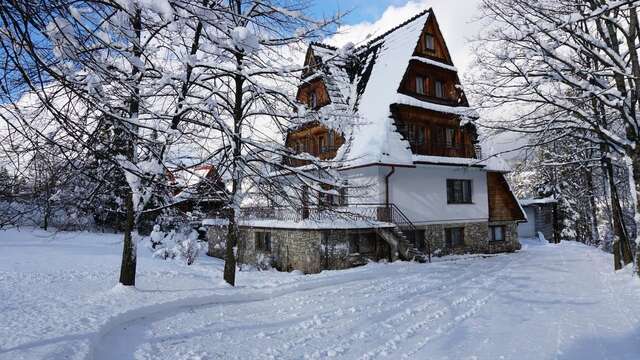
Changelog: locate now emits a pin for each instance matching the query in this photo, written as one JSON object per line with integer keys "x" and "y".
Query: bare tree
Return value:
{"x": 211, "y": 78}
{"x": 570, "y": 67}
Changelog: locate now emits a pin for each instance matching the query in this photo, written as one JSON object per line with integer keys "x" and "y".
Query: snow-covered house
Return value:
{"x": 541, "y": 215}
{"x": 413, "y": 149}
{"x": 196, "y": 187}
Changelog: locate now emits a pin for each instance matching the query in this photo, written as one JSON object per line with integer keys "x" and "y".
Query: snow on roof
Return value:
{"x": 363, "y": 83}
{"x": 302, "y": 224}
{"x": 494, "y": 163}
{"x": 435, "y": 63}
{"x": 547, "y": 200}
{"x": 192, "y": 177}
{"x": 376, "y": 138}
{"x": 457, "y": 110}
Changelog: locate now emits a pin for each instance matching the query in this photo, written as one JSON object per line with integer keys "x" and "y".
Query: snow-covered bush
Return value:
{"x": 263, "y": 262}
{"x": 165, "y": 254}
{"x": 157, "y": 237}
{"x": 189, "y": 248}
{"x": 182, "y": 243}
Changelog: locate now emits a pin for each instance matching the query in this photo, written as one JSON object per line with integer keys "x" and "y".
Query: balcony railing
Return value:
{"x": 443, "y": 149}
{"x": 375, "y": 214}
{"x": 368, "y": 212}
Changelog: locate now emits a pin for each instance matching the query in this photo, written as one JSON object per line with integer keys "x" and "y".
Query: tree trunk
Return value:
{"x": 635, "y": 168}
{"x": 621, "y": 241}
{"x": 129, "y": 256}
{"x": 230, "y": 256}
{"x": 45, "y": 225}
{"x": 593, "y": 214}
{"x": 128, "y": 266}
{"x": 236, "y": 184}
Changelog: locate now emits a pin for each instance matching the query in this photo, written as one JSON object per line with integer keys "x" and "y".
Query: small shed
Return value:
{"x": 540, "y": 218}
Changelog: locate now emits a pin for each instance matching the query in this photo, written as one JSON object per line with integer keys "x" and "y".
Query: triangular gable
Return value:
{"x": 309, "y": 63}
{"x": 440, "y": 58}
{"x": 441, "y": 52}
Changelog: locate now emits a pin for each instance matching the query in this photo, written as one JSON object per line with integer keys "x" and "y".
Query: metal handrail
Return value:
{"x": 395, "y": 210}
{"x": 391, "y": 214}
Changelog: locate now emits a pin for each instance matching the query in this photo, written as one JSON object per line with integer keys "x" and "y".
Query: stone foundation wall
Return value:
{"x": 312, "y": 251}
{"x": 510, "y": 243}
{"x": 309, "y": 251}
{"x": 476, "y": 238}
{"x": 216, "y": 240}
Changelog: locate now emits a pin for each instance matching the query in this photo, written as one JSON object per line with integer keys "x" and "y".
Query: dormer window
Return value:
{"x": 439, "y": 89}
{"x": 313, "y": 100}
{"x": 420, "y": 85}
{"x": 429, "y": 42}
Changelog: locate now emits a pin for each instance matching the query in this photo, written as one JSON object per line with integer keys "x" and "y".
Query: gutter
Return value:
{"x": 386, "y": 184}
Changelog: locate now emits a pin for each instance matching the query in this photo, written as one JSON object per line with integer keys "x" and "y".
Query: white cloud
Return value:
{"x": 455, "y": 19}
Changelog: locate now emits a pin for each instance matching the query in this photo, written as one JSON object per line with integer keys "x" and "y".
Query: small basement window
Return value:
{"x": 497, "y": 233}
{"x": 458, "y": 191}
{"x": 420, "y": 85}
{"x": 454, "y": 237}
{"x": 263, "y": 241}
{"x": 429, "y": 42}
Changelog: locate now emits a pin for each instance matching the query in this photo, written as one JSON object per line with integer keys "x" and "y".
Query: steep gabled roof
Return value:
{"x": 365, "y": 81}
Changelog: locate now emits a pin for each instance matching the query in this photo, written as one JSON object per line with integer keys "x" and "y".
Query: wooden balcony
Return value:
{"x": 443, "y": 149}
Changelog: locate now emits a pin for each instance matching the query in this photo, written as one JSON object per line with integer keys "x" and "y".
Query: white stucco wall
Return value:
{"x": 366, "y": 184}
{"x": 421, "y": 193}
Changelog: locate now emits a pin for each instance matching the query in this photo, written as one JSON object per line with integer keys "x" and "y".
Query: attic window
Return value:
{"x": 420, "y": 85}
{"x": 429, "y": 42}
{"x": 313, "y": 100}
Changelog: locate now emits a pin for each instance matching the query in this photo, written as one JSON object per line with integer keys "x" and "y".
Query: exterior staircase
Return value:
{"x": 401, "y": 246}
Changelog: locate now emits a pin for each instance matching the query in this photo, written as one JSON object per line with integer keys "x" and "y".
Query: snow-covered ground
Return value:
{"x": 58, "y": 301}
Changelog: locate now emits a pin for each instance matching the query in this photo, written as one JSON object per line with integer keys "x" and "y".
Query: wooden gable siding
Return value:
{"x": 503, "y": 205}
{"x": 315, "y": 86}
{"x": 310, "y": 63}
{"x": 311, "y": 138}
{"x": 441, "y": 52}
{"x": 433, "y": 125}
{"x": 453, "y": 96}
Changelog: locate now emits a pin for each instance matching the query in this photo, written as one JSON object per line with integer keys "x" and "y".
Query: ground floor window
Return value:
{"x": 263, "y": 241}
{"x": 496, "y": 233}
{"x": 454, "y": 237}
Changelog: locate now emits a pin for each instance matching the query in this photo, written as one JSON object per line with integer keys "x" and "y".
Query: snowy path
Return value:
{"x": 57, "y": 301}
{"x": 543, "y": 303}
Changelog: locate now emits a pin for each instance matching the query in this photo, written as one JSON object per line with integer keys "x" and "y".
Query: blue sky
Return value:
{"x": 361, "y": 10}
{"x": 372, "y": 17}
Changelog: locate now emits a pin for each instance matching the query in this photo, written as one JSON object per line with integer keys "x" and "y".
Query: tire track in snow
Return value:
{"x": 112, "y": 330}
{"x": 472, "y": 310}
{"x": 400, "y": 319}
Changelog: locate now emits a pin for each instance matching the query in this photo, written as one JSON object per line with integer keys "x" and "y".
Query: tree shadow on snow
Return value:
{"x": 625, "y": 346}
